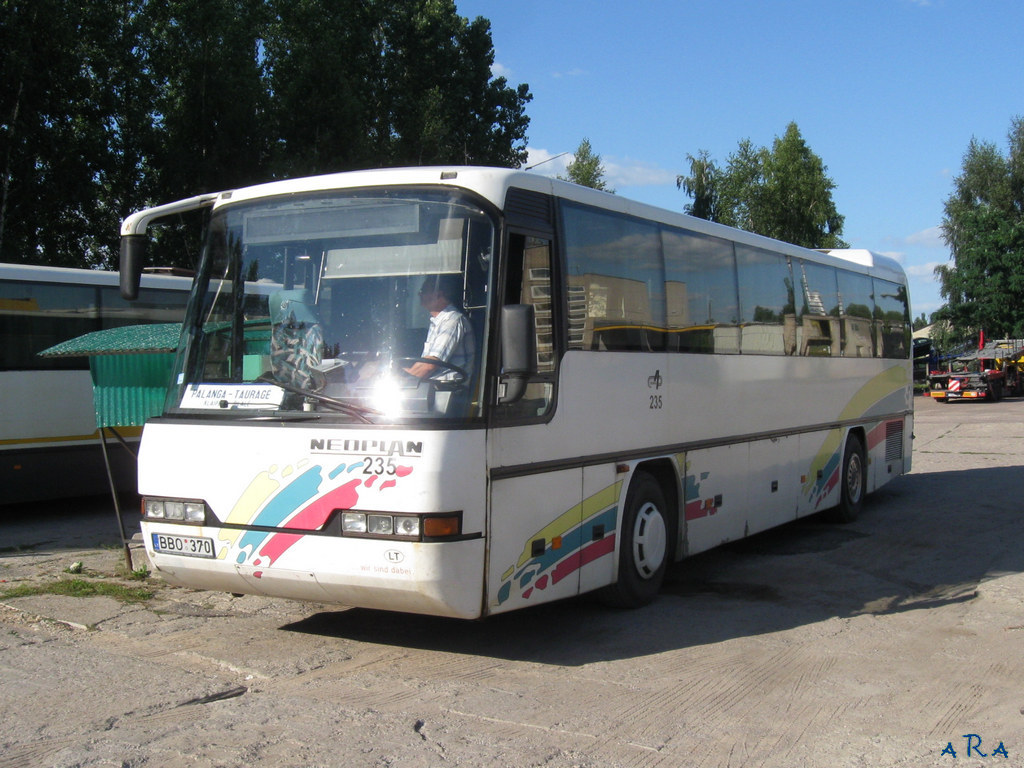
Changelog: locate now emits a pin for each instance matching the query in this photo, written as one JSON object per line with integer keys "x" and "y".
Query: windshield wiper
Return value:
{"x": 360, "y": 412}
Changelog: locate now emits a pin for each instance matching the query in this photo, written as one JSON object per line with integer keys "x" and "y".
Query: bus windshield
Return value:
{"x": 368, "y": 305}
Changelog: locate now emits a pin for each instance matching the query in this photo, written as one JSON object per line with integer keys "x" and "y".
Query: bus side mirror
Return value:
{"x": 518, "y": 351}
{"x": 133, "y": 251}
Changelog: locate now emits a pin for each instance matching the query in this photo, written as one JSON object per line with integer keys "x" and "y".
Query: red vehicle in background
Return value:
{"x": 990, "y": 373}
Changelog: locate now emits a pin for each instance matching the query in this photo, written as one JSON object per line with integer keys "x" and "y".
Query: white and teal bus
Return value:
{"x": 49, "y": 443}
{"x": 641, "y": 386}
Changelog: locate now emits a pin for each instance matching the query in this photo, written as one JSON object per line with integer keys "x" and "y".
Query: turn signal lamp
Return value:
{"x": 441, "y": 527}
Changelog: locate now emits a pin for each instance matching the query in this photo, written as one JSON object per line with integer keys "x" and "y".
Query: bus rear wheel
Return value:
{"x": 645, "y": 545}
{"x": 854, "y": 481}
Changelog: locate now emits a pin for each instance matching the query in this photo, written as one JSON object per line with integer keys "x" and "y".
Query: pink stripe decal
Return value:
{"x": 598, "y": 549}
{"x": 316, "y": 514}
{"x": 876, "y": 435}
{"x": 695, "y": 509}
{"x": 311, "y": 518}
{"x": 277, "y": 545}
{"x": 588, "y": 554}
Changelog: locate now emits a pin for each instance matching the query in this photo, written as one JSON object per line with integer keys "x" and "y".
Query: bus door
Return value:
{"x": 535, "y": 505}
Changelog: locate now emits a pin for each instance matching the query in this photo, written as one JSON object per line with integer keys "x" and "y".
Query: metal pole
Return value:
{"x": 117, "y": 503}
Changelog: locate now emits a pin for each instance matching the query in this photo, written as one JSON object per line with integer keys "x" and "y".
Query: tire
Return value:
{"x": 854, "y": 481}
{"x": 646, "y": 543}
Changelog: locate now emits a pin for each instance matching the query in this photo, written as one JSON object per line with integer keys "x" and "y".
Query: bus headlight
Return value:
{"x": 175, "y": 510}
{"x": 406, "y": 525}
{"x": 353, "y": 522}
{"x": 380, "y": 525}
{"x": 153, "y": 509}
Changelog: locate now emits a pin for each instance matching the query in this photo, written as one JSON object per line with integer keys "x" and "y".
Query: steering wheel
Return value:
{"x": 461, "y": 376}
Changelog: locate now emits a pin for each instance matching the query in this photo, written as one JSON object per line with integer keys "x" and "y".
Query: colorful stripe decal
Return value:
{"x": 823, "y": 475}
{"x": 569, "y": 545}
{"x": 293, "y": 497}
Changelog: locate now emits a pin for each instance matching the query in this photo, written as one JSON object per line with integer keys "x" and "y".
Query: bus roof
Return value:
{"x": 493, "y": 185}
{"x": 39, "y": 273}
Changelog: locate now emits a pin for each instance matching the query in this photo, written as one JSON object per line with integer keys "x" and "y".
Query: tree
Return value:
{"x": 210, "y": 106}
{"x": 52, "y": 130}
{"x": 702, "y": 185}
{"x": 107, "y": 106}
{"x": 586, "y": 168}
{"x": 983, "y": 225}
{"x": 124, "y": 181}
{"x": 320, "y": 63}
{"x": 782, "y": 193}
{"x": 357, "y": 83}
{"x": 436, "y": 100}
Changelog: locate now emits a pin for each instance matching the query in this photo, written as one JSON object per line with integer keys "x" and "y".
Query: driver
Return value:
{"x": 450, "y": 337}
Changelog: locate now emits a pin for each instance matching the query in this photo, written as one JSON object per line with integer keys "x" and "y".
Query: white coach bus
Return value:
{"x": 635, "y": 386}
{"x": 49, "y": 444}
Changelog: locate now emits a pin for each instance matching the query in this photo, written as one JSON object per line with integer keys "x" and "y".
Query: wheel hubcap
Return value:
{"x": 854, "y": 478}
{"x": 649, "y": 540}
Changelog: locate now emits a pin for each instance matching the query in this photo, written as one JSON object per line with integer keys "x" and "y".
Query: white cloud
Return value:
{"x": 617, "y": 173}
{"x": 574, "y": 72}
{"x": 923, "y": 270}
{"x": 500, "y": 70}
{"x": 931, "y": 238}
{"x": 634, "y": 173}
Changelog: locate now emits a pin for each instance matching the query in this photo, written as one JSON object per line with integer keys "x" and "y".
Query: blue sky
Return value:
{"x": 888, "y": 93}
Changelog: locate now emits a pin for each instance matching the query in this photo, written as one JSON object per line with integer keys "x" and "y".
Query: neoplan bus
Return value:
{"x": 49, "y": 445}
{"x": 643, "y": 386}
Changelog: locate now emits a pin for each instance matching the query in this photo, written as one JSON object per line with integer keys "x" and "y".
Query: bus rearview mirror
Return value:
{"x": 518, "y": 351}
{"x": 133, "y": 252}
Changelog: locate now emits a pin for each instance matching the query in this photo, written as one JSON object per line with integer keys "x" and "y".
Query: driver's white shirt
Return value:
{"x": 450, "y": 338}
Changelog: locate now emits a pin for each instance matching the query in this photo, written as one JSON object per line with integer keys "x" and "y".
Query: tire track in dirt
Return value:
{"x": 21, "y": 755}
{"x": 718, "y": 693}
{"x": 959, "y": 701}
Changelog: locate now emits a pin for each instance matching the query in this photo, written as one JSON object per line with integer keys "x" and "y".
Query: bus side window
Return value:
{"x": 892, "y": 316}
{"x": 767, "y": 302}
{"x": 818, "y": 309}
{"x": 857, "y": 306}
{"x": 615, "y": 279}
{"x": 701, "y": 294}
{"x": 528, "y": 281}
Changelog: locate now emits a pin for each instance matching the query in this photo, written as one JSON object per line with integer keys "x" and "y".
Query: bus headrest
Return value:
{"x": 295, "y": 303}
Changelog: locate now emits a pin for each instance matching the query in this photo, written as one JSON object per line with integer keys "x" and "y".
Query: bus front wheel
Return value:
{"x": 645, "y": 545}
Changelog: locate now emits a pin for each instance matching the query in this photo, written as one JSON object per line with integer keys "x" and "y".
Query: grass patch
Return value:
{"x": 138, "y": 574}
{"x": 80, "y": 588}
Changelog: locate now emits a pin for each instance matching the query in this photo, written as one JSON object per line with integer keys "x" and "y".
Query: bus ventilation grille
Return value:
{"x": 893, "y": 440}
{"x": 527, "y": 208}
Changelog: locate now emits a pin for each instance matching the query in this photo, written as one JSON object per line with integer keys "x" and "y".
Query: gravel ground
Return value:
{"x": 892, "y": 641}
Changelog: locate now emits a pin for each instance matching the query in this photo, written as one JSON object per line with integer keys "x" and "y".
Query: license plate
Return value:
{"x": 189, "y": 546}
